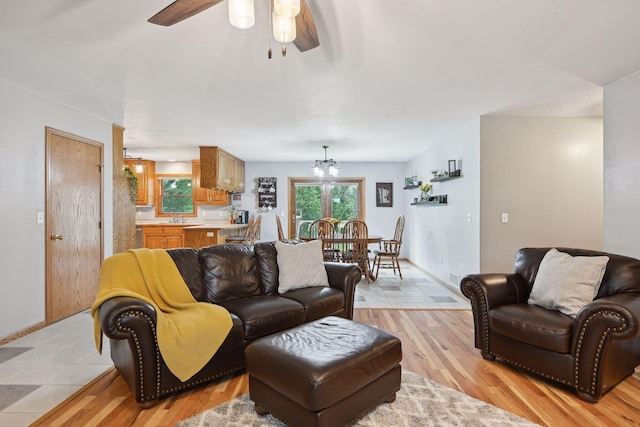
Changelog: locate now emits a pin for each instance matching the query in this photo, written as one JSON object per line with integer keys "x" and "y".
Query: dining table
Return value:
{"x": 371, "y": 238}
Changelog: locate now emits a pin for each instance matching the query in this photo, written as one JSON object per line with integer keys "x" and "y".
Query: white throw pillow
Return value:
{"x": 567, "y": 283}
{"x": 300, "y": 266}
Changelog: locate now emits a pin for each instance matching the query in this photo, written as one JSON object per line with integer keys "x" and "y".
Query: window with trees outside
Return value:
{"x": 174, "y": 196}
{"x": 311, "y": 199}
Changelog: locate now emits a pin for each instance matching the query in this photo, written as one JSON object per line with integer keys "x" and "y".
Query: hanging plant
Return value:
{"x": 132, "y": 182}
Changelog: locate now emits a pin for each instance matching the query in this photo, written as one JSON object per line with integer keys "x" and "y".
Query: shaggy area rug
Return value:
{"x": 420, "y": 402}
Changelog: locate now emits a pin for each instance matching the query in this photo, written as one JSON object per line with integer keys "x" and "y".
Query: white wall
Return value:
{"x": 23, "y": 117}
{"x": 622, "y": 167}
{"x": 380, "y": 220}
{"x": 546, "y": 173}
{"x": 441, "y": 239}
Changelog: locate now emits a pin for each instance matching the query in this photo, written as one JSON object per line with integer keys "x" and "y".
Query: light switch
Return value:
{"x": 505, "y": 217}
{"x": 40, "y": 217}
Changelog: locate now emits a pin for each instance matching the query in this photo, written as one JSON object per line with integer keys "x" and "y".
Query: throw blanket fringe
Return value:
{"x": 189, "y": 332}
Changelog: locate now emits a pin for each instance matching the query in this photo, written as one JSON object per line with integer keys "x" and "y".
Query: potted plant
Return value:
{"x": 425, "y": 189}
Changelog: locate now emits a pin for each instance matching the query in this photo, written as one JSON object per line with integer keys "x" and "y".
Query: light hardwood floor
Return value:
{"x": 437, "y": 344}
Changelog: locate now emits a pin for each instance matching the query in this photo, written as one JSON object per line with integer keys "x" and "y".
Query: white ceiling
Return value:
{"x": 389, "y": 77}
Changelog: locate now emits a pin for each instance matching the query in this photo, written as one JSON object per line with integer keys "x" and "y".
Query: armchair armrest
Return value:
{"x": 344, "y": 277}
{"x": 489, "y": 290}
{"x": 495, "y": 289}
{"x": 604, "y": 331}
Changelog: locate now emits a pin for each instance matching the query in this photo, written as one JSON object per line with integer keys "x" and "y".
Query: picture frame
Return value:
{"x": 411, "y": 182}
{"x": 452, "y": 167}
{"x": 384, "y": 194}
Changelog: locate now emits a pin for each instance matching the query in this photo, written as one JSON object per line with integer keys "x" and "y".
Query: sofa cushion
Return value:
{"x": 229, "y": 272}
{"x": 567, "y": 283}
{"x": 268, "y": 264}
{"x": 188, "y": 262}
{"x": 300, "y": 266}
{"x": 318, "y": 301}
{"x": 534, "y": 325}
{"x": 265, "y": 314}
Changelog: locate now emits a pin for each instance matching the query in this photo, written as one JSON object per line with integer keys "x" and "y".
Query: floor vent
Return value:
{"x": 454, "y": 279}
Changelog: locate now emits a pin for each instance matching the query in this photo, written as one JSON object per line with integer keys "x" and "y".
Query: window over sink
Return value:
{"x": 174, "y": 196}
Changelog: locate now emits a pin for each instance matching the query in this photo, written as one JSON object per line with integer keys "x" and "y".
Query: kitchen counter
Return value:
{"x": 213, "y": 233}
{"x": 165, "y": 224}
{"x": 167, "y": 235}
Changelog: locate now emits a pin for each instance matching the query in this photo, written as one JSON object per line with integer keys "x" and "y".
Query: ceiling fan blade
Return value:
{"x": 180, "y": 10}
{"x": 306, "y": 35}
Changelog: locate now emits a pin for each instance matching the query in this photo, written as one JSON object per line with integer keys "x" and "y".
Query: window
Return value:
{"x": 311, "y": 199}
{"x": 174, "y": 196}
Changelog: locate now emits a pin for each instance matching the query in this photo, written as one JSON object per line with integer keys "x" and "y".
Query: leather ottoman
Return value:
{"x": 329, "y": 372}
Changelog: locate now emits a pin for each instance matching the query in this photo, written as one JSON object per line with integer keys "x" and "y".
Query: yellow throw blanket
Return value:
{"x": 189, "y": 332}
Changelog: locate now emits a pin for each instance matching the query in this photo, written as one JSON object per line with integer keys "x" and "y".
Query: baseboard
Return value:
{"x": 22, "y": 333}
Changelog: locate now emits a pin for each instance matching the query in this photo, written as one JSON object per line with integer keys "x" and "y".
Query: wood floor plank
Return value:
{"x": 437, "y": 344}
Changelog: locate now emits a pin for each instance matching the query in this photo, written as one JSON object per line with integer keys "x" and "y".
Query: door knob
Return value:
{"x": 56, "y": 237}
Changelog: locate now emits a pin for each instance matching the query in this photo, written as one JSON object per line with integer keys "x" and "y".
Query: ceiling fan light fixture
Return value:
{"x": 241, "y": 13}
{"x": 287, "y": 8}
{"x": 284, "y": 29}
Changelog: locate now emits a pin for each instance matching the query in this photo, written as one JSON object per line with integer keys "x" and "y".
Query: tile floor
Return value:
{"x": 42, "y": 369}
{"x": 416, "y": 290}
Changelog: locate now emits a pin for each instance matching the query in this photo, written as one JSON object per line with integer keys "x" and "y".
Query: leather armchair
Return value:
{"x": 590, "y": 353}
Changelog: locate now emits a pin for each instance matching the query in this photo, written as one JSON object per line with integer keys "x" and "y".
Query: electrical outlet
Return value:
{"x": 505, "y": 217}
{"x": 139, "y": 214}
{"x": 469, "y": 217}
{"x": 204, "y": 213}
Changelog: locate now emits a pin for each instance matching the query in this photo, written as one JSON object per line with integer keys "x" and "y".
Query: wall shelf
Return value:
{"x": 434, "y": 203}
{"x": 440, "y": 199}
{"x": 444, "y": 178}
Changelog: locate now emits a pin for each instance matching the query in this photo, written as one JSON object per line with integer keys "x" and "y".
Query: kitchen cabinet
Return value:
{"x": 162, "y": 237}
{"x": 206, "y": 196}
{"x": 221, "y": 170}
{"x": 146, "y": 175}
{"x": 199, "y": 237}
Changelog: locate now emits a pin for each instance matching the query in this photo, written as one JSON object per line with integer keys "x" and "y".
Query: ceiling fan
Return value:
{"x": 179, "y": 10}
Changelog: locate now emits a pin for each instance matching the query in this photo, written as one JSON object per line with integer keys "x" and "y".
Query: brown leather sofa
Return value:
{"x": 590, "y": 353}
{"x": 243, "y": 279}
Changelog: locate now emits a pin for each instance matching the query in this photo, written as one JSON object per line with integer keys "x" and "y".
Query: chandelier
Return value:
{"x": 326, "y": 166}
{"x": 283, "y": 18}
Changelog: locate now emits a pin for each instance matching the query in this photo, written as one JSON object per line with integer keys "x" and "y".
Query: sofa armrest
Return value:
{"x": 345, "y": 277}
{"x": 114, "y": 311}
{"x": 130, "y": 324}
{"x": 604, "y": 331}
{"x": 486, "y": 291}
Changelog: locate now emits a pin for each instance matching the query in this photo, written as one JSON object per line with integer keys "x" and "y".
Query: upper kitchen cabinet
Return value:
{"x": 145, "y": 170}
{"x": 221, "y": 170}
{"x": 206, "y": 196}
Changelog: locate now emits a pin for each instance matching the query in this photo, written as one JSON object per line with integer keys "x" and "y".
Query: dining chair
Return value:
{"x": 256, "y": 229}
{"x": 323, "y": 230}
{"x": 355, "y": 235}
{"x": 247, "y": 235}
{"x": 389, "y": 249}
{"x": 279, "y": 225}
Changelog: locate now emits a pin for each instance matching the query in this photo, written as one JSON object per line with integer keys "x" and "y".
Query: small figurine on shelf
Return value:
{"x": 232, "y": 214}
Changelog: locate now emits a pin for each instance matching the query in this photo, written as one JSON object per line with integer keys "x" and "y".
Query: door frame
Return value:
{"x": 49, "y": 133}
{"x": 326, "y": 193}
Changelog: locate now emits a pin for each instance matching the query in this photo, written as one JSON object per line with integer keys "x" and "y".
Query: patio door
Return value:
{"x": 311, "y": 199}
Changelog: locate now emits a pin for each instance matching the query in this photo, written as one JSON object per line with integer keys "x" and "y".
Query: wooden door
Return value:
{"x": 74, "y": 223}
